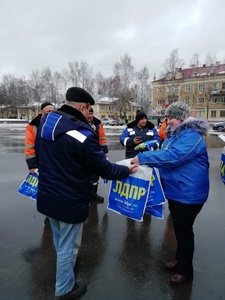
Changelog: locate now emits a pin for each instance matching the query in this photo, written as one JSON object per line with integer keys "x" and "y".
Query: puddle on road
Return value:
{"x": 12, "y": 140}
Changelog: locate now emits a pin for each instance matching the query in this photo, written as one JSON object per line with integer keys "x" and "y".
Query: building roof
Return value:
{"x": 209, "y": 71}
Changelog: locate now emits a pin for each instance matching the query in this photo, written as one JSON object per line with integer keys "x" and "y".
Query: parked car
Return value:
{"x": 109, "y": 121}
{"x": 219, "y": 126}
{"x": 119, "y": 121}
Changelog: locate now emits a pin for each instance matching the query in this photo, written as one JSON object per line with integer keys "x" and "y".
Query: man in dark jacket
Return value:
{"x": 138, "y": 132}
{"x": 68, "y": 153}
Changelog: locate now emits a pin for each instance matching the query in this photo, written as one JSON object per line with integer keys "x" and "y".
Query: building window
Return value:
{"x": 200, "y": 114}
{"x": 169, "y": 90}
{"x": 201, "y": 88}
{"x": 160, "y": 102}
{"x": 215, "y": 86}
{"x": 222, "y": 113}
{"x": 172, "y": 90}
{"x": 187, "y": 88}
{"x": 159, "y": 90}
{"x": 187, "y": 101}
{"x": 201, "y": 100}
{"x": 222, "y": 99}
{"x": 214, "y": 100}
{"x": 223, "y": 85}
{"x": 213, "y": 113}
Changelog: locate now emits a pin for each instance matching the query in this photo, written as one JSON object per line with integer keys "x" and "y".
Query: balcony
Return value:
{"x": 215, "y": 92}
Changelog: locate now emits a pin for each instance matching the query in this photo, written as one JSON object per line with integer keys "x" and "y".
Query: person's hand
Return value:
{"x": 32, "y": 171}
{"x": 135, "y": 161}
{"x": 133, "y": 168}
{"x": 137, "y": 140}
{"x": 149, "y": 145}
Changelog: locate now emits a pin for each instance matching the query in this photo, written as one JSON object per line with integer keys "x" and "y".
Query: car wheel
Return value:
{"x": 220, "y": 129}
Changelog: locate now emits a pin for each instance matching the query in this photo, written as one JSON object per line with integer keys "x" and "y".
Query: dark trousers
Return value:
{"x": 94, "y": 184}
{"x": 183, "y": 217}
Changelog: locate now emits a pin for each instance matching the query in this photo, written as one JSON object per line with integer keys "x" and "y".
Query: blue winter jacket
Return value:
{"x": 68, "y": 153}
{"x": 183, "y": 162}
{"x": 131, "y": 131}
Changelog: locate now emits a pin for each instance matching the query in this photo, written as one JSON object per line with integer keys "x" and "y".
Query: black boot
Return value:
{"x": 95, "y": 196}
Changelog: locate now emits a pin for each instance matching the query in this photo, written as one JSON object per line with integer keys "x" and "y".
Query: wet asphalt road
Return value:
{"x": 120, "y": 259}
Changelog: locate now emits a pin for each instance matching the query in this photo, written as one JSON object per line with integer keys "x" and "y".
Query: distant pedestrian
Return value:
{"x": 163, "y": 132}
{"x": 136, "y": 132}
{"x": 184, "y": 168}
{"x": 68, "y": 154}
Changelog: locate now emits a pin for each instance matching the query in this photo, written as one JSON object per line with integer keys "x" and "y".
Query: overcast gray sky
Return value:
{"x": 51, "y": 33}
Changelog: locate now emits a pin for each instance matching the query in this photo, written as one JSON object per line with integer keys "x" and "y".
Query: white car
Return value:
{"x": 109, "y": 121}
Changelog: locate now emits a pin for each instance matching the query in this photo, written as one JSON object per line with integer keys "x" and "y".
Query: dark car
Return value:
{"x": 219, "y": 126}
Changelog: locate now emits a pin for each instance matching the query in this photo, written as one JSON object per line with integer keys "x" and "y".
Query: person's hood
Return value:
{"x": 199, "y": 125}
{"x": 36, "y": 120}
{"x": 96, "y": 121}
{"x": 59, "y": 122}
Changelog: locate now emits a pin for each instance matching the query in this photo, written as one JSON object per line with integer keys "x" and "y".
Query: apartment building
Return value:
{"x": 202, "y": 88}
{"x": 104, "y": 107}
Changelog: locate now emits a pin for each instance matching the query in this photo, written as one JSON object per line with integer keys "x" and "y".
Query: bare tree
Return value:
{"x": 142, "y": 90}
{"x": 36, "y": 86}
{"x": 47, "y": 81}
{"x": 14, "y": 92}
{"x": 57, "y": 82}
{"x": 102, "y": 84}
{"x": 86, "y": 77}
{"x": 81, "y": 74}
{"x": 74, "y": 73}
{"x": 210, "y": 59}
{"x": 125, "y": 72}
{"x": 173, "y": 62}
{"x": 194, "y": 62}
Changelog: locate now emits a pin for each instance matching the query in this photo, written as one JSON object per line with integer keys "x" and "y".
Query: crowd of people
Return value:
{"x": 70, "y": 154}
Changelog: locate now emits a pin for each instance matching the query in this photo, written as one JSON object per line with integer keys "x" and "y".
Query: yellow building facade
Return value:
{"x": 201, "y": 88}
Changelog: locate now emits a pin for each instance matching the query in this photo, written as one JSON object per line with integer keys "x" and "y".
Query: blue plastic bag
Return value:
{"x": 156, "y": 197}
{"x": 129, "y": 196}
{"x": 29, "y": 186}
{"x": 156, "y": 211}
{"x": 222, "y": 166}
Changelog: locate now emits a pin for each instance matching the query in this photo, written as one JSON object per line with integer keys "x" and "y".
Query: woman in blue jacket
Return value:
{"x": 183, "y": 164}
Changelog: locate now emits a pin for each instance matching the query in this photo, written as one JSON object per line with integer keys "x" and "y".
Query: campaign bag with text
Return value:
{"x": 129, "y": 196}
{"x": 29, "y": 186}
{"x": 156, "y": 198}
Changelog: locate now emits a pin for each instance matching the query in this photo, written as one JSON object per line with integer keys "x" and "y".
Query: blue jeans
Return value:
{"x": 67, "y": 240}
